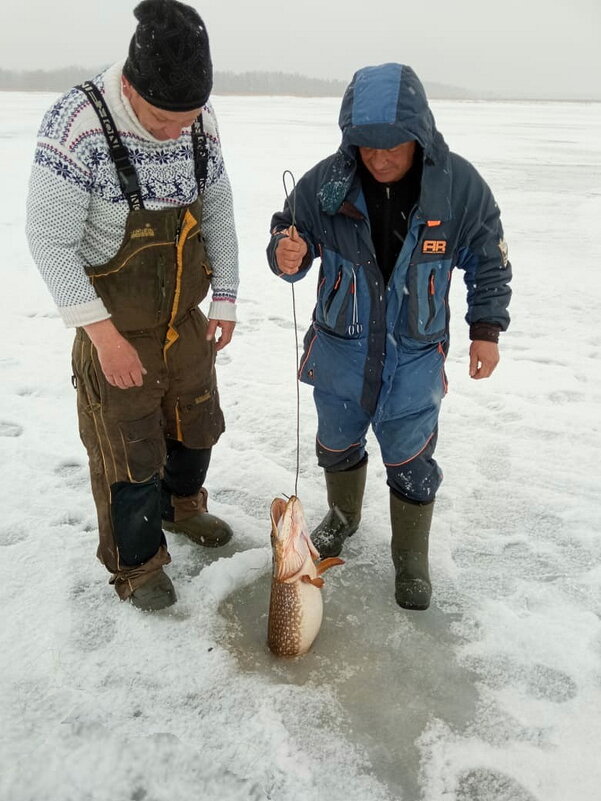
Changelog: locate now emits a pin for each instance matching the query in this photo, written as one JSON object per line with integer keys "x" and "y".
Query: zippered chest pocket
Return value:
{"x": 428, "y": 285}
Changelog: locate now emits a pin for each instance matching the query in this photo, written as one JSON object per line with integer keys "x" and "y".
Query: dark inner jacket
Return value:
{"x": 389, "y": 206}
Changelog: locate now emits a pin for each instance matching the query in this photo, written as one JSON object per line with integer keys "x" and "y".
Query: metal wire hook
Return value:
{"x": 292, "y": 206}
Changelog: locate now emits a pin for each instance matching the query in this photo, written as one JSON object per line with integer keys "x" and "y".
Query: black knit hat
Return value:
{"x": 169, "y": 62}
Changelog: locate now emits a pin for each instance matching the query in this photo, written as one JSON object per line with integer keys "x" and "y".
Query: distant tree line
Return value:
{"x": 58, "y": 80}
{"x": 275, "y": 83}
{"x": 225, "y": 83}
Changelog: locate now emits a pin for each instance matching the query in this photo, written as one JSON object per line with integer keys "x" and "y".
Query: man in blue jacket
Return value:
{"x": 389, "y": 216}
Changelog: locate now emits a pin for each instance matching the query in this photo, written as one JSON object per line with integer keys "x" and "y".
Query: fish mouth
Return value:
{"x": 278, "y": 510}
{"x": 290, "y": 540}
{"x": 283, "y": 528}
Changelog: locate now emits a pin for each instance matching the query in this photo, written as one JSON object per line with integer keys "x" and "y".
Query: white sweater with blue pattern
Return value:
{"x": 76, "y": 211}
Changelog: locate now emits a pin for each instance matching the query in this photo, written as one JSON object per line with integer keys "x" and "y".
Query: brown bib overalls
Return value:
{"x": 148, "y": 443}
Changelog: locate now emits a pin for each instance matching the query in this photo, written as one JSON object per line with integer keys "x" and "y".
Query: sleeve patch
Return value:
{"x": 504, "y": 252}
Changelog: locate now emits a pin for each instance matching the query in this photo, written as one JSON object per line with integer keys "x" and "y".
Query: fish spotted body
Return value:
{"x": 295, "y": 606}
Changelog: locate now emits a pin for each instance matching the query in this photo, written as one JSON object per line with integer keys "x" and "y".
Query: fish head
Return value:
{"x": 290, "y": 539}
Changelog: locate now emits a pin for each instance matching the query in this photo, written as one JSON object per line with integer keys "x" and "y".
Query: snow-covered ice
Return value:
{"x": 491, "y": 695}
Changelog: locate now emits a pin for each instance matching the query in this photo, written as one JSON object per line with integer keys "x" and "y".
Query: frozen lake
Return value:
{"x": 493, "y": 694}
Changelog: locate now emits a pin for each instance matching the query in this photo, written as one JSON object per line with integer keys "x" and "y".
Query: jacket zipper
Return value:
{"x": 332, "y": 295}
{"x": 431, "y": 305}
{"x": 163, "y": 296}
{"x": 184, "y": 228}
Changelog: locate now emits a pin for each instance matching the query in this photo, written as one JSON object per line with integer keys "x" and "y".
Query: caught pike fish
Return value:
{"x": 295, "y": 606}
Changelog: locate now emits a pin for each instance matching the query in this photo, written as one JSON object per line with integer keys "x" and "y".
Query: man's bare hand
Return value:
{"x": 227, "y": 331}
{"x": 290, "y": 252}
{"x": 118, "y": 358}
{"x": 484, "y": 357}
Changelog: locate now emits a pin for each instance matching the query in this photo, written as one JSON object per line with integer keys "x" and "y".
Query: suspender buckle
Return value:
{"x": 120, "y": 157}
{"x": 128, "y": 179}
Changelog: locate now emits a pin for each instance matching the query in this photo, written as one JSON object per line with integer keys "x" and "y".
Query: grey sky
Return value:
{"x": 547, "y": 48}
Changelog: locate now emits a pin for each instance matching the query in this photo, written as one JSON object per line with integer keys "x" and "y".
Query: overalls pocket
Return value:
{"x": 143, "y": 444}
{"x": 137, "y": 286}
{"x": 427, "y": 305}
{"x": 334, "y": 364}
{"x": 199, "y": 418}
{"x": 87, "y": 381}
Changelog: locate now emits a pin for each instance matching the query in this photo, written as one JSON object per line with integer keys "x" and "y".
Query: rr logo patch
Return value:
{"x": 434, "y": 246}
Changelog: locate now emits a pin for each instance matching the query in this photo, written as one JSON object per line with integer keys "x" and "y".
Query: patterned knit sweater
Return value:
{"x": 76, "y": 211}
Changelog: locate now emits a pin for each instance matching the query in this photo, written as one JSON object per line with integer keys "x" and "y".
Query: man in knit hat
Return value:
{"x": 130, "y": 222}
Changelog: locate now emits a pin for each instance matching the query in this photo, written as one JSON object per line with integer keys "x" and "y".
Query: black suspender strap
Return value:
{"x": 128, "y": 178}
{"x": 199, "y": 148}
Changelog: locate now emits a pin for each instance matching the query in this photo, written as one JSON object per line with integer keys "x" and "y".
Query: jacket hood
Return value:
{"x": 384, "y": 106}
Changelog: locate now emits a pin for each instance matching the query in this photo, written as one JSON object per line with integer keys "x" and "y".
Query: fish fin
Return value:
{"x": 326, "y": 564}
{"x": 312, "y": 549}
{"x": 316, "y": 582}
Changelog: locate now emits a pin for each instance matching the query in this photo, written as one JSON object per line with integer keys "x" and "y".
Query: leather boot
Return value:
{"x": 409, "y": 545}
{"x": 156, "y": 593}
{"x": 345, "y": 499}
{"x": 190, "y": 517}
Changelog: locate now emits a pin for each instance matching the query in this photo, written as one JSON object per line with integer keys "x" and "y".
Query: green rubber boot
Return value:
{"x": 345, "y": 499}
{"x": 409, "y": 546}
{"x": 156, "y": 593}
{"x": 190, "y": 517}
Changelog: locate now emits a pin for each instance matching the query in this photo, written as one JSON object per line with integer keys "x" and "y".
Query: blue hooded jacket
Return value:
{"x": 383, "y": 345}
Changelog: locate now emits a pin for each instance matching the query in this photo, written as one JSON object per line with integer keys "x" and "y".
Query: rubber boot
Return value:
{"x": 409, "y": 546}
{"x": 190, "y": 517}
{"x": 345, "y": 499}
{"x": 156, "y": 593}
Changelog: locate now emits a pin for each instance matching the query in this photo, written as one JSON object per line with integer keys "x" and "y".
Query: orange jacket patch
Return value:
{"x": 434, "y": 246}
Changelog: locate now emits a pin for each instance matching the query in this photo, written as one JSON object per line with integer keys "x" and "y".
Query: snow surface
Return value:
{"x": 491, "y": 695}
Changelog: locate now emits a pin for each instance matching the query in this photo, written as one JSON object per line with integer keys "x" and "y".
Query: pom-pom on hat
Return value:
{"x": 169, "y": 61}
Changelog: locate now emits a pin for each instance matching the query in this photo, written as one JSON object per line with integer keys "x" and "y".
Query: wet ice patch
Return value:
{"x": 538, "y": 681}
{"x": 376, "y": 660}
{"x": 481, "y": 784}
